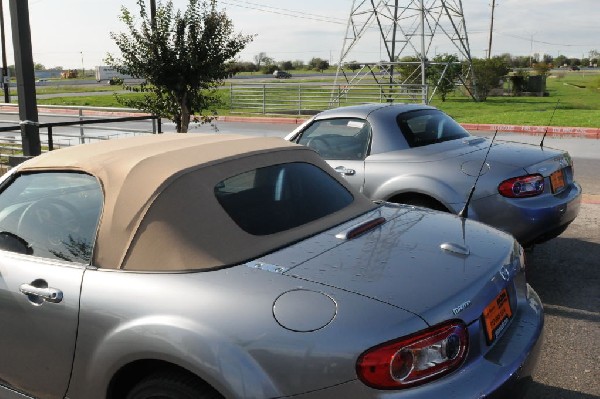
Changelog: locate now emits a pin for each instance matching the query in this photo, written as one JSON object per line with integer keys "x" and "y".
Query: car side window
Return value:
{"x": 426, "y": 127}
{"x": 341, "y": 138}
{"x": 52, "y": 214}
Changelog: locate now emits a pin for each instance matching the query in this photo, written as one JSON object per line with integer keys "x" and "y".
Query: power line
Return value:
{"x": 541, "y": 41}
{"x": 286, "y": 12}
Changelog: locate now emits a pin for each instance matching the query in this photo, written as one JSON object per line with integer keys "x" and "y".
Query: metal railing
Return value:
{"x": 86, "y": 124}
{"x": 311, "y": 98}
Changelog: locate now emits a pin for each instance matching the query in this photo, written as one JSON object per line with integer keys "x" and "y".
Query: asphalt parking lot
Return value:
{"x": 563, "y": 271}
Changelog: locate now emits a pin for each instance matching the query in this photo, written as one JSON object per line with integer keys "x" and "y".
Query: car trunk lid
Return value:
{"x": 432, "y": 264}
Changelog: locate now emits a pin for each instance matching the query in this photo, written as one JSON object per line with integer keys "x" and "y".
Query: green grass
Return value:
{"x": 578, "y": 92}
{"x": 575, "y": 97}
{"x": 87, "y": 101}
{"x": 48, "y": 89}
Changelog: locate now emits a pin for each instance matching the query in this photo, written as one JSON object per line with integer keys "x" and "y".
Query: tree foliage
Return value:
{"x": 488, "y": 72}
{"x": 183, "y": 58}
{"x": 318, "y": 64}
{"x": 443, "y": 74}
{"x": 286, "y": 65}
{"x": 409, "y": 70}
{"x": 560, "y": 61}
{"x": 542, "y": 68}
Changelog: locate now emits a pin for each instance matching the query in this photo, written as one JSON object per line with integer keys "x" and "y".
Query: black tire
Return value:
{"x": 169, "y": 385}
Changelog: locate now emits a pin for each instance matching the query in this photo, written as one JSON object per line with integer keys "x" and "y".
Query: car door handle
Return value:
{"x": 345, "y": 171}
{"x": 47, "y": 294}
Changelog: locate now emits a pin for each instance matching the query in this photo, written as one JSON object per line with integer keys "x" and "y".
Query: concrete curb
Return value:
{"x": 262, "y": 119}
{"x": 551, "y": 131}
{"x": 590, "y": 199}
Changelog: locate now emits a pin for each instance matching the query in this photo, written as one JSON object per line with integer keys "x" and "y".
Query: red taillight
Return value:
{"x": 415, "y": 359}
{"x": 523, "y": 186}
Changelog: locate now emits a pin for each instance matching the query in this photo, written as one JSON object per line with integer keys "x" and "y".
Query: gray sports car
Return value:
{"x": 416, "y": 154}
{"x": 222, "y": 266}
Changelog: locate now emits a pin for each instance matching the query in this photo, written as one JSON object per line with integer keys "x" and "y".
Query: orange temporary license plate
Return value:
{"x": 557, "y": 181}
{"x": 496, "y": 316}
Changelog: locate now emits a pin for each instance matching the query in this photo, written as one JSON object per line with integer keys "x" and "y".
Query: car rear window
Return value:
{"x": 427, "y": 127}
{"x": 280, "y": 197}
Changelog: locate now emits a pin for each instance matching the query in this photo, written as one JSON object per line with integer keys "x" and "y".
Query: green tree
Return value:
{"x": 181, "y": 56}
{"x": 560, "y": 60}
{"x": 260, "y": 58}
{"x": 318, "y": 64}
{"x": 409, "y": 70}
{"x": 287, "y": 65}
{"x": 488, "y": 72}
{"x": 542, "y": 68}
{"x": 443, "y": 74}
{"x": 268, "y": 69}
{"x": 298, "y": 64}
{"x": 353, "y": 66}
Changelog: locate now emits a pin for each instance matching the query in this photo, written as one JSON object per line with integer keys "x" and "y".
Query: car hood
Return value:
{"x": 402, "y": 261}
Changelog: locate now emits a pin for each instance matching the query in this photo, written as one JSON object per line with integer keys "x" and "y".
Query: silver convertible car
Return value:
{"x": 416, "y": 154}
{"x": 223, "y": 266}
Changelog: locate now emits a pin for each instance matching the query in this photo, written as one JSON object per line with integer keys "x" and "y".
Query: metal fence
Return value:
{"x": 311, "y": 98}
{"x": 87, "y": 124}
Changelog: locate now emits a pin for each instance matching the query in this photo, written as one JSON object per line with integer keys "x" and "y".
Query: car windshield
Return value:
{"x": 280, "y": 197}
{"x": 340, "y": 138}
{"x": 425, "y": 127}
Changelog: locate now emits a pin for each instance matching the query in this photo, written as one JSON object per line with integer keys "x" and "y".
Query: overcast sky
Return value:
{"x": 76, "y": 33}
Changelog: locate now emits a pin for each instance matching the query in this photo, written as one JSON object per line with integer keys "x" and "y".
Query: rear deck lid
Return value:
{"x": 432, "y": 264}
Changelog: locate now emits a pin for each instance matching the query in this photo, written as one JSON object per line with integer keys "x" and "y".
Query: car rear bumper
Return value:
{"x": 531, "y": 220}
{"x": 503, "y": 372}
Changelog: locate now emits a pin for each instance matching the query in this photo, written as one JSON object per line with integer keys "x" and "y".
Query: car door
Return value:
{"x": 343, "y": 143}
{"x": 47, "y": 227}
{"x": 39, "y": 304}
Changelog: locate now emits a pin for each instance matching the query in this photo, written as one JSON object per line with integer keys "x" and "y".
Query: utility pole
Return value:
{"x": 489, "y": 52}
{"x": 5, "y": 78}
{"x": 423, "y": 54}
{"x": 28, "y": 114}
{"x": 153, "y": 14}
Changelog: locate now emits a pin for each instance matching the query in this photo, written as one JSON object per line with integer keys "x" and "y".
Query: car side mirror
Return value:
{"x": 13, "y": 243}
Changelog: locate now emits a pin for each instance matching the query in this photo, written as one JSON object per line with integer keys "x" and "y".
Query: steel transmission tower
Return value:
{"x": 406, "y": 33}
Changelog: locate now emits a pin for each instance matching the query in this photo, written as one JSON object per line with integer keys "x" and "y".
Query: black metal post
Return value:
{"x": 50, "y": 139}
{"x": 5, "y": 78}
{"x": 153, "y": 14}
{"x": 28, "y": 114}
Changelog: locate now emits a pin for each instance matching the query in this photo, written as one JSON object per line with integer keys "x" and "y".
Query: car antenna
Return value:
{"x": 548, "y": 125}
{"x": 464, "y": 213}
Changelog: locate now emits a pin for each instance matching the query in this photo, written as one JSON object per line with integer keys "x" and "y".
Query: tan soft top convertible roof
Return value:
{"x": 160, "y": 211}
